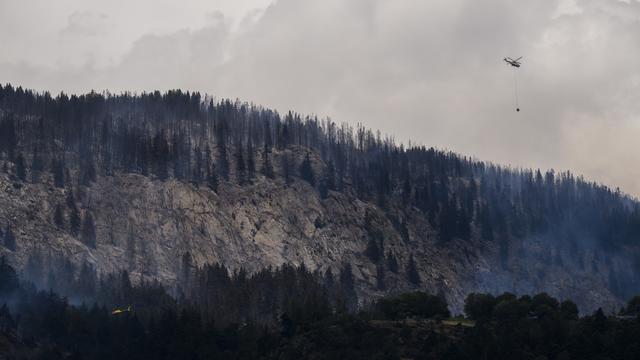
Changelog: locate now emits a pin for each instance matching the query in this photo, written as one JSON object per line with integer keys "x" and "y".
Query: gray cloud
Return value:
{"x": 86, "y": 23}
{"x": 426, "y": 71}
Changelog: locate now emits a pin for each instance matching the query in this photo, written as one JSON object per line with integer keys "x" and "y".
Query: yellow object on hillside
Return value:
{"x": 121, "y": 310}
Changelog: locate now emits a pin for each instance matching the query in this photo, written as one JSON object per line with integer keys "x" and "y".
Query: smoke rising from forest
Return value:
{"x": 430, "y": 72}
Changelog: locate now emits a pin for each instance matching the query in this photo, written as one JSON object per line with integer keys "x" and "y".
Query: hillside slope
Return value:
{"x": 146, "y": 226}
{"x": 138, "y": 183}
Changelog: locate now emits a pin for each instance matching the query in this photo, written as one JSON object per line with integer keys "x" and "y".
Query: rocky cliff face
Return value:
{"x": 146, "y": 225}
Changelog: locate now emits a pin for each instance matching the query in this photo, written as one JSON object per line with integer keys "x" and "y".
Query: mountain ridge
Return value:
{"x": 268, "y": 190}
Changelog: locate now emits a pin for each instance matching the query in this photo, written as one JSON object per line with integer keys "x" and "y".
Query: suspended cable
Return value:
{"x": 515, "y": 88}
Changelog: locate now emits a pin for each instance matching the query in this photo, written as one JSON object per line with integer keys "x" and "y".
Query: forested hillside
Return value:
{"x": 426, "y": 218}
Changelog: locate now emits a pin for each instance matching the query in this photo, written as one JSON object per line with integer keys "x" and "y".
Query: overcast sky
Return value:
{"x": 428, "y": 71}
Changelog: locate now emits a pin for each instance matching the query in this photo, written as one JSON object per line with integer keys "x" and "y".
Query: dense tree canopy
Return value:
{"x": 286, "y": 314}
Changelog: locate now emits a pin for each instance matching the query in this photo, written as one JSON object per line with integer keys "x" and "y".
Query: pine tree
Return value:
{"x": 71, "y": 199}
{"x": 147, "y": 261}
{"x": 240, "y": 165}
{"x": 57, "y": 169}
{"x": 392, "y": 263}
{"x": 212, "y": 177}
{"x": 463, "y": 227}
{"x": 21, "y": 171}
{"x": 196, "y": 177}
{"x": 287, "y": 169}
{"x": 383, "y": 186}
{"x": 282, "y": 135}
{"x": 328, "y": 280}
{"x": 8, "y": 278}
{"x": 486, "y": 229}
{"x": 347, "y": 287}
{"x": 448, "y": 222}
{"x": 503, "y": 243}
{"x": 88, "y": 172}
{"x": 306, "y": 171}
{"x": 373, "y": 251}
{"x": 74, "y": 221}
{"x": 89, "y": 231}
{"x": 143, "y": 154}
{"x": 58, "y": 216}
{"x": 37, "y": 166}
{"x": 323, "y": 189}
{"x": 9, "y": 239}
{"x": 380, "y": 277}
{"x": 251, "y": 161}
{"x": 7, "y": 322}
{"x": 161, "y": 155}
{"x": 267, "y": 168}
{"x": 8, "y": 137}
{"x": 330, "y": 176}
{"x": 131, "y": 249}
{"x": 412, "y": 272}
{"x": 87, "y": 281}
{"x": 179, "y": 156}
{"x": 406, "y": 191}
{"x": 327, "y": 182}
{"x": 223, "y": 161}
{"x": 185, "y": 269}
{"x": 268, "y": 143}
{"x": 34, "y": 270}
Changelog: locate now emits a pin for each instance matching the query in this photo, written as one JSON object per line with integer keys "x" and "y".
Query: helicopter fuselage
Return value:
{"x": 512, "y": 63}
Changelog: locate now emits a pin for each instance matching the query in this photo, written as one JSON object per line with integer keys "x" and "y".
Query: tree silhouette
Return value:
{"x": 267, "y": 167}
{"x": 251, "y": 161}
{"x": 241, "y": 170}
{"x": 57, "y": 168}
{"x": 58, "y": 216}
{"x": 74, "y": 221}
{"x": 392, "y": 262}
{"x": 306, "y": 171}
{"x": 212, "y": 177}
{"x": 287, "y": 169}
{"x": 37, "y": 166}
{"x": 412, "y": 272}
{"x": 89, "y": 231}
{"x": 21, "y": 171}
{"x": 9, "y": 239}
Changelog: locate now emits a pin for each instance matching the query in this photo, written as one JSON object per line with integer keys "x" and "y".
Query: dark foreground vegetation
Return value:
{"x": 287, "y": 314}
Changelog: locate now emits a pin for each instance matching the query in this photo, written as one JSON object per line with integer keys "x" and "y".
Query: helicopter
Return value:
{"x": 512, "y": 62}
{"x": 515, "y": 63}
